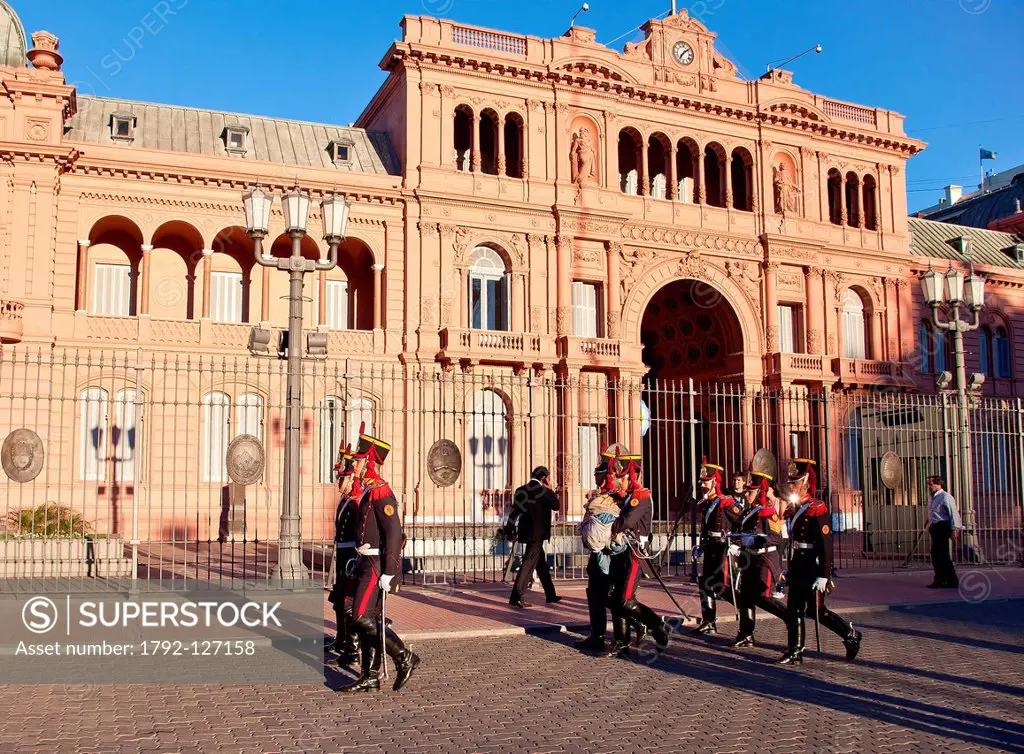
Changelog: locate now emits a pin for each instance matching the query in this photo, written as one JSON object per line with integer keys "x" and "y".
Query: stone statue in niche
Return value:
{"x": 787, "y": 193}
{"x": 582, "y": 156}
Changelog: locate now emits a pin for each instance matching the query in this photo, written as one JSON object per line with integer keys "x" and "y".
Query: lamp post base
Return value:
{"x": 291, "y": 575}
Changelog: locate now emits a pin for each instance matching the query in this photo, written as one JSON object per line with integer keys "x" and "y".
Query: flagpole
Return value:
{"x": 981, "y": 170}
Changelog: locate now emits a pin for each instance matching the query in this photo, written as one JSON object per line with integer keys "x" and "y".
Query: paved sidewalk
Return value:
{"x": 464, "y": 611}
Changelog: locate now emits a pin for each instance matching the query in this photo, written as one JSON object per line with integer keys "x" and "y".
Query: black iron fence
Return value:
{"x": 134, "y": 469}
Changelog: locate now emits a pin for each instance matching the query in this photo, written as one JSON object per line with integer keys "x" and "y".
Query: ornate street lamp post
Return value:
{"x": 290, "y": 569}
{"x": 954, "y": 291}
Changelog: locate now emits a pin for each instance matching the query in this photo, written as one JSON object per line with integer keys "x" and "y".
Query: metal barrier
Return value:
{"x": 123, "y": 481}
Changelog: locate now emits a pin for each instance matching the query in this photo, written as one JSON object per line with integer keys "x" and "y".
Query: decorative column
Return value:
{"x": 906, "y": 328}
{"x": 321, "y": 309}
{"x": 146, "y": 270}
{"x": 671, "y": 182}
{"x": 877, "y": 347}
{"x": 563, "y": 301}
{"x": 613, "y": 294}
{"x": 207, "y": 269}
{"x": 265, "y": 299}
{"x": 645, "y": 177}
{"x": 82, "y": 299}
{"x": 727, "y": 169}
{"x": 771, "y": 315}
{"x": 501, "y": 148}
{"x": 378, "y": 303}
{"x": 815, "y": 310}
{"x": 476, "y": 159}
{"x": 698, "y": 177}
{"x": 463, "y": 319}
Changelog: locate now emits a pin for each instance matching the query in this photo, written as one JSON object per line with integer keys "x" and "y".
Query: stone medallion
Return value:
{"x": 892, "y": 470}
{"x": 22, "y": 455}
{"x": 245, "y": 459}
{"x": 444, "y": 463}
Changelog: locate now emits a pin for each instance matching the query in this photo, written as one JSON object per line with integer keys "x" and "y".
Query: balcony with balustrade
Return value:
{"x": 853, "y": 373}
{"x": 11, "y": 324}
{"x": 784, "y": 369}
{"x": 495, "y": 347}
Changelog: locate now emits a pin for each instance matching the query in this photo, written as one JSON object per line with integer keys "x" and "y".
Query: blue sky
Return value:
{"x": 953, "y": 67}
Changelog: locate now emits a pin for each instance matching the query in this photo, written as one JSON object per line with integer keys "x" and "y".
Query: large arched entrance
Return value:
{"x": 689, "y": 331}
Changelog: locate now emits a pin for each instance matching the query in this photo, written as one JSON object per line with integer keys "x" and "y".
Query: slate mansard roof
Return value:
{"x": 936, "y": 240}
{"x": 199, "y": 131}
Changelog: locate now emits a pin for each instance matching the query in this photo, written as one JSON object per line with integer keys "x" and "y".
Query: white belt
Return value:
{"x": 763, "y": 550}
{"x": 719, "y": 535}
{"x": 367, "y": 551}
{"x": 803, "y": 545}
{"x": 344, "y": 545}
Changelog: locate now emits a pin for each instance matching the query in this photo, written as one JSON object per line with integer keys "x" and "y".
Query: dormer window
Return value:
{"x": 122, "y": 127}
{"x": 341, "y": 151}
{"x": 236, "y": 139}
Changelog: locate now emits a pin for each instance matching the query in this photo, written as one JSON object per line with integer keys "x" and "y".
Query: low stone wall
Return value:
{"x": 64, "y": 558}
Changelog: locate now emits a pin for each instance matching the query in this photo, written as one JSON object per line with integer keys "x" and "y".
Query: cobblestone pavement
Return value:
{"x": 946, "y": 678}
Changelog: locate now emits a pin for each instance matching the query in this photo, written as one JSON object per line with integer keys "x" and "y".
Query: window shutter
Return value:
{"x": 584, "y": 309}
{"x": 588, "y": 448}
{"x": 93, "y": 436}
{"x": 337, "y": 305}
{"x": 226, "y": 296}
{"x": 112, "y": 292}
{"x": 248, "y": 415}
{"x": 787, "y": 339}
{"x": 216, "y": 418}
{"x": 127, "y": 440}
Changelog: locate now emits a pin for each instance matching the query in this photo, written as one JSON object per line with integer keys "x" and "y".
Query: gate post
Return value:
{"x": 693, "y": 477}
{"x": 140, "y": 422}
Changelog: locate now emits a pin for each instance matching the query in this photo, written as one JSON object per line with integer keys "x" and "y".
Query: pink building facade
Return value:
{"x": 541, "y": 230}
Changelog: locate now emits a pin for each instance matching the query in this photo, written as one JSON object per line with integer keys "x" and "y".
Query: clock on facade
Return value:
{"x": 683, "y": 53}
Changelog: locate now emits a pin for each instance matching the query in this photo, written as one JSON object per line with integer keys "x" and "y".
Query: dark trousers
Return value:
{"x": 712, "y": 582}
{"x": 338, "y": 597}
{"x": 598, "y": 584}
{"x": 534, "y": 559}
{"x": 626, "y": 608}
{"x": 802, "y": 573}
{"x": 755, "y": 592}
{"x": 942, "y": 562}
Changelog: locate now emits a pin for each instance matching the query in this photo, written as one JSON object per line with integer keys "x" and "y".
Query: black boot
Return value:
{"x": 852, "y": 643}
{"x": 793, "y": 656}
{"x": 617, "y": 649}
{"x": 662, "y": 634}
{"x": 742, "y": 642}
{"x": 706, "y": 626}
{"x": 405, "y": 663}
{"x": 591, "y": 642}
{"x": 795, "y": 653}
{"x": 369, "y": 680}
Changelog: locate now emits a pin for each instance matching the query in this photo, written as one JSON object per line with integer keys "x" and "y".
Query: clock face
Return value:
{"x": 682, "y": 53}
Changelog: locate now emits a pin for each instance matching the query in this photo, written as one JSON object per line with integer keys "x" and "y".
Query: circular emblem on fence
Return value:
{"x": 764, "y": 463}
{"x": 892, "y": 470}
{"x": 444, "y": 463}
{"x": 22, "y": 455}
{"x": 245, "y": 459}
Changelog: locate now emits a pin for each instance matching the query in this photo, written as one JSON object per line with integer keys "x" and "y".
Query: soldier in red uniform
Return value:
{"x": 345, "y": 519}
{"x": 379, "y": 546}
{"x": 633, "y": 526}
{"x": 810, "y": 567}
{"x": 718, "y": 514}
{"x": 756, "y": 548}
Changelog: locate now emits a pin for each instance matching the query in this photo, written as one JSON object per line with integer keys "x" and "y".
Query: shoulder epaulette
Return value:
{"x": 817, "y": 508}
{"x": 642, "y": 493}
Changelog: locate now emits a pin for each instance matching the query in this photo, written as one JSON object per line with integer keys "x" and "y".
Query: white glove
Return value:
{"x": 364, "y": 549}
{"x": 385, "y": 582}
{"x": 734, "y": 550}
{"x": 819, "y": 585}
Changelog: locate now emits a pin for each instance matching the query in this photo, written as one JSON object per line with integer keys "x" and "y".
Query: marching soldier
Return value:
{"x": 379, "y": 545}
{"x": 634, "y": 527}
{"x": 718, "y": 514}
{"x": 810, "y": 567}
{"x": 345, "y": 519}
{"x": 760, "y": 533}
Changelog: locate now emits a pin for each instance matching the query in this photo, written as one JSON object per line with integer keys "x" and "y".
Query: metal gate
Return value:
{"x": 117, "y": 463}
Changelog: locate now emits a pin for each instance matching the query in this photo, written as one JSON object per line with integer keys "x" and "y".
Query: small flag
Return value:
{"x": 986, "y": 154}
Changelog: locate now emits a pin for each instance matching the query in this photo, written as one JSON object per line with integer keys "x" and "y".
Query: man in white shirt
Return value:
{"x": 944, "y": 524}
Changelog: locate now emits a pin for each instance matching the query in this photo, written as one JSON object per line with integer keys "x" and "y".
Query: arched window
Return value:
{"x": 870, "y": 203}
{"x": 835, "y": 197}
{"x": 687, "y": 171}
{"x": 489, "y": 142}
{"x": 488, "y": 290}
{"x": 331, "y": 434}
{"x": 123, "y": 437}
{"x": 1001, "y": 361}
{"x": 514, "y": 146}
{"x": 216, "y": 432}
{"x": 742, "y": 168}
{"x": 985, "y": 351}
{"x": 629, "y": 161}
{"x": 360, "y": 414}
{"x": 488, "y": 445}
{"x": 249, "y": 415}
{"x": 463, "y": 138}
{"x": 714, "y": 175}
{"x": 854, "y": 330}
{"x": 92, "y": 408}
{"x": 853, "y": 451}
{"x": 852, "y": 200}
{"x": 657, "y": 164}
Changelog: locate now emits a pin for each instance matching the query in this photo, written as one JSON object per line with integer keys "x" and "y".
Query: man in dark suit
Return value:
{"x": 530, "y": 521}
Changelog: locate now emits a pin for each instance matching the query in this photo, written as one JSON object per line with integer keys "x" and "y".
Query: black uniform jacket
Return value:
{"x": 380, "y": 525}
{"x": 532, "y": 506}
{"x": 346, "y": 518}
{"x": 717, "y": 517}
{"x": 636, "y": 515}
{"x": 811, "y": 525}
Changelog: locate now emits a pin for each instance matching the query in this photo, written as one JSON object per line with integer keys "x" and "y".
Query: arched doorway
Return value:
{"x": 689, "y": 331}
